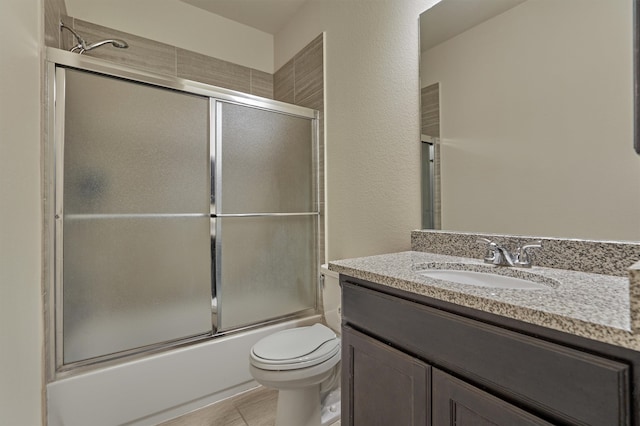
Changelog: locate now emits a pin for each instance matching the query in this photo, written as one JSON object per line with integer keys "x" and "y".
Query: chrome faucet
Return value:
{"x": 499, "y": 255}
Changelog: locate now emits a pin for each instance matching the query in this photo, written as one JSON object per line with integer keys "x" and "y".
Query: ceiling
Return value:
{"x": 265, "y": 15}
{"x": 449, "y": 18}
{"x": 443, "y": 21}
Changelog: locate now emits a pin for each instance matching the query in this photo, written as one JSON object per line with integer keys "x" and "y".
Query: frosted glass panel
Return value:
{"x": 136, "y": 240}
{"x": 267, "y": 162}
{"x": 132, "y": 148}
{"x": 267, "y": 268}
{"x": 132, "y": 282}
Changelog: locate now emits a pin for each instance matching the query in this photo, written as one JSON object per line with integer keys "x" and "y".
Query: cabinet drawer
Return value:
{"x": 565, "y": 384}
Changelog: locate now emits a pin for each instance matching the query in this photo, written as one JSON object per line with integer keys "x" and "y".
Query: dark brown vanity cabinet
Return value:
{"x": 410, "y": 360}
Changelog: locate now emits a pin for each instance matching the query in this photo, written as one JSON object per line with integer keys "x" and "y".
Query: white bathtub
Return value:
{"x": 160, "y": 387}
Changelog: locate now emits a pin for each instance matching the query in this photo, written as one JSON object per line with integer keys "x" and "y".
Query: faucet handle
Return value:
{"x": 491, "y": 254}
{"x": 522, "y": 254}
{"x": 484, "y": 240}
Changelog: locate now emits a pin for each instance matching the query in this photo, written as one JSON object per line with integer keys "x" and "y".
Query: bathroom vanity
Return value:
{"x": 419, "y": 351}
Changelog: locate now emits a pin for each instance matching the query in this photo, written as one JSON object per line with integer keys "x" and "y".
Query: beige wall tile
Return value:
{"x": 283, "y": 88}
{"x": 261, "y": 84}
{"x": 430, "y": 110}
{"x": 53, "y": 11}
{"x": 194, "y": 66}
{"x": 313, "y": 101}
{"x": 308, "y": 73}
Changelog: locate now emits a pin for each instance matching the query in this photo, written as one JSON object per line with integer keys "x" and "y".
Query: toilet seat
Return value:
{"x": 295, "y": 348}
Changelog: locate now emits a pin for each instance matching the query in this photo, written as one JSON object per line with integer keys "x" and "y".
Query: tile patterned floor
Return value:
{"x": 256, "y": 407}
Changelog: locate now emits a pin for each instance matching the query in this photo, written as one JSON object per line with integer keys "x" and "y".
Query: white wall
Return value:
{"x": 372, "y": 118}
{"x": 182, "y": 25}
{"x": 540, "y": 146}
{"x": 21, "y": 332}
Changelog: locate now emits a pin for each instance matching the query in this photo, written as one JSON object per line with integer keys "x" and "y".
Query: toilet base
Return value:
{"x": 330, "y": 410}
{"x": 299, "y": 407}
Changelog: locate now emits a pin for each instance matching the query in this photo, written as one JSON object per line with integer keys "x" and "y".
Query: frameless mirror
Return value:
{"x": 529, "y": 107}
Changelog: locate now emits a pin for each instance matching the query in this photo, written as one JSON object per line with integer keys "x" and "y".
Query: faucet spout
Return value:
{"x": 502, "y": 256}
{"x": 496, "y": 255}
{"x": 499, "y": 255}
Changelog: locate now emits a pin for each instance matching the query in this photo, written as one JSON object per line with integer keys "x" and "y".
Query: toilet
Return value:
{"x": 303, "y": 364}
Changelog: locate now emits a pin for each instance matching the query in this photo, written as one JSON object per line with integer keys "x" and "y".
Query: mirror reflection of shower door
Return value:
{"x": 428, "y": 185}
{"x": 134, "y": 213}
{"x": 267, "y": 215}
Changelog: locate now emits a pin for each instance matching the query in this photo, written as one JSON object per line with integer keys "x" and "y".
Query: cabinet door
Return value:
{"x": 382, "y": 386}
{"x": 458, "y": 403}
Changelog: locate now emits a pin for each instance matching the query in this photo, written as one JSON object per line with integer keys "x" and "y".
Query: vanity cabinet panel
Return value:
{"x": 385, "y": 386}
{"x": 560, "y": 384}
{"x": 458, "y": 403}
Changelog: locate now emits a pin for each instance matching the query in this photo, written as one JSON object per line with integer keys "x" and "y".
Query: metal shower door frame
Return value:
{"x": 53, "y": 161}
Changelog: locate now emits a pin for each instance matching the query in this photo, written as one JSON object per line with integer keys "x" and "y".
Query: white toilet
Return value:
{"x": 303, "y": 364}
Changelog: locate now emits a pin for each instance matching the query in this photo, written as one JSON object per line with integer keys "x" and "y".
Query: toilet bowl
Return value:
{"x": 303, "y": 364}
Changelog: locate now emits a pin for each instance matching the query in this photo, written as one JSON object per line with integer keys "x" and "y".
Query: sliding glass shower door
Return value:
{"x": 134, "y": 211}
{"x": 267, "y": 214}
{"x": 181, "y": 212}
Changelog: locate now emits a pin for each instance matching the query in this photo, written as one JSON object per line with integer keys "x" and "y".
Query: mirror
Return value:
{"x": 529, "y": 105}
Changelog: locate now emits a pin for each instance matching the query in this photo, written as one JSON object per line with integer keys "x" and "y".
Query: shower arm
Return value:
{"x": 81, "y": 43}
{"x": 82, "y": 46}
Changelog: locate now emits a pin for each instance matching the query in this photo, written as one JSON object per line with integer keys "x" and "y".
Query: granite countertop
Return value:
{"x": 596, "y": 306}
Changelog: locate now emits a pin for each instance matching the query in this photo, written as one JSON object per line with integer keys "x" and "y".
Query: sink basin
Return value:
{"x": 488, "y": 276}
{"x": 482, "y": 279}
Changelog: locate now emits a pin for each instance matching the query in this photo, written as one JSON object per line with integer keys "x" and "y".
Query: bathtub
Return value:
{"x": 160, "y": 387}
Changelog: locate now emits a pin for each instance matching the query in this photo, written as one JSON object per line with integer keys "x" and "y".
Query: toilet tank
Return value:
{"x": 331, "y": 298}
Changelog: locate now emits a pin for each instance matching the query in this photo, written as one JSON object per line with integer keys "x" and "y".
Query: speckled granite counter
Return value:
{"x": 596, "y": 306}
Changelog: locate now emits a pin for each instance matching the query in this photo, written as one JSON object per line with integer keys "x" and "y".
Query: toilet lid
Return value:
{"x": 304, "y": 346}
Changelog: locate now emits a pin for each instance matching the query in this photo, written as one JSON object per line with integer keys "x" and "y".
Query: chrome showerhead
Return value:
{"x": 120, "y": 44}
{"x": 81, "y": 44}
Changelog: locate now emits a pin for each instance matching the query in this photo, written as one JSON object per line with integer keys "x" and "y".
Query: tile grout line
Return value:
{"x": 235, "y": 407}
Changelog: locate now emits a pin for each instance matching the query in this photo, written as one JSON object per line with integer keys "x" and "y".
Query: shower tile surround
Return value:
{"x": 161, "y": 58}
{"x": 598, "y": 296}
{"x": 430, "y": 110}
{"x": 54, "y": 11}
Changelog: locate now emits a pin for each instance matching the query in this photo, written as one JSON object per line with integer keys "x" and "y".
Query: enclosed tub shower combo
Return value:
{"x": 181, "y": 216}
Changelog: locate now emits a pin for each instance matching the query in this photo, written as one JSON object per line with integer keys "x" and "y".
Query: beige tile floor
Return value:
{"x": 256, "y": 407}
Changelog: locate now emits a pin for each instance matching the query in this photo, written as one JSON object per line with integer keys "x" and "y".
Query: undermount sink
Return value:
{"x": 488, "y": 276}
